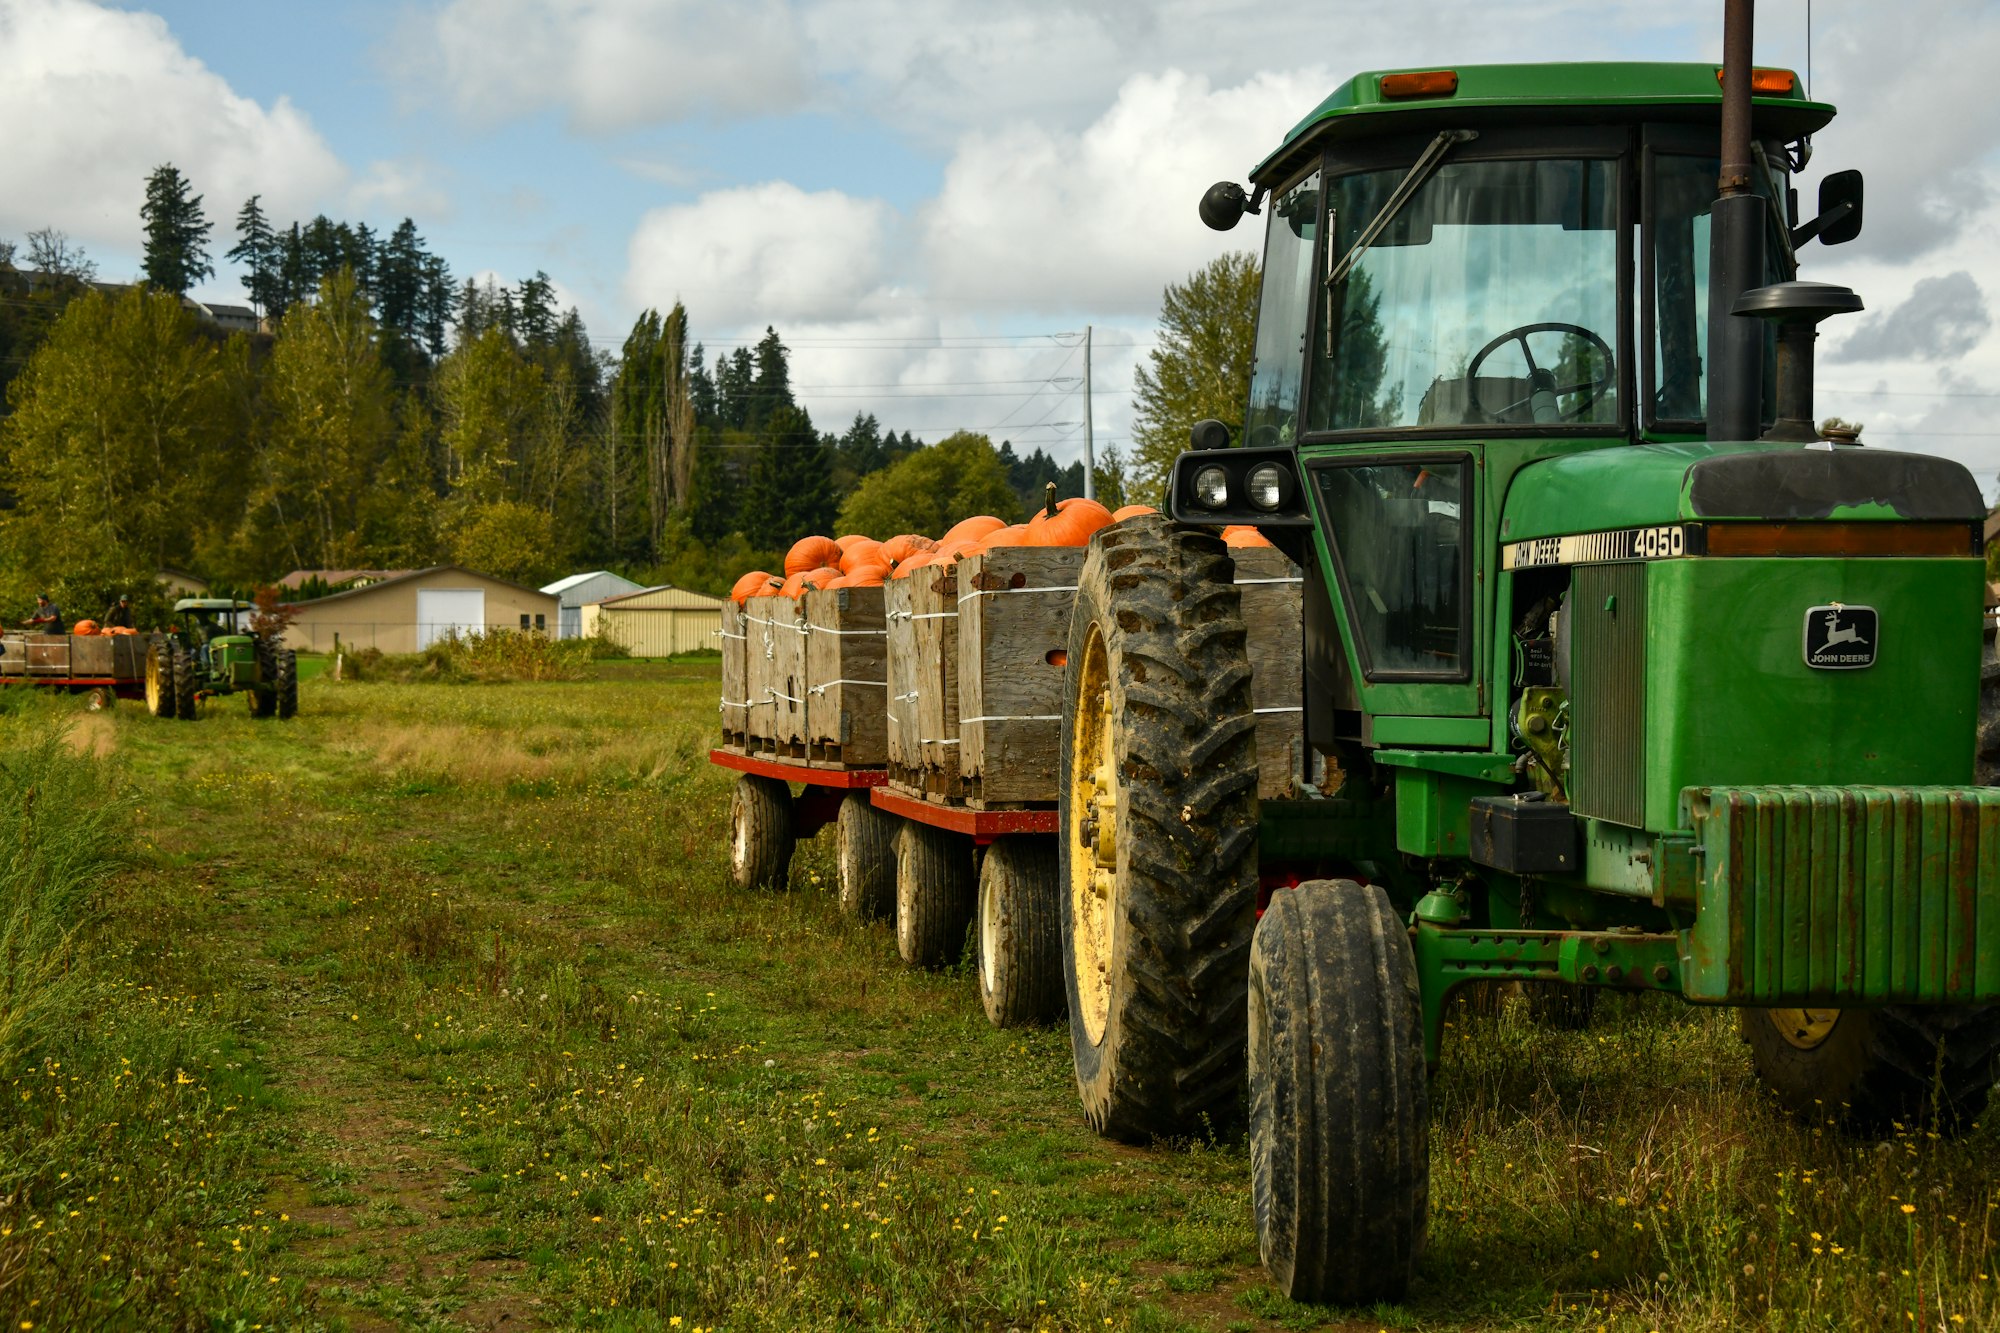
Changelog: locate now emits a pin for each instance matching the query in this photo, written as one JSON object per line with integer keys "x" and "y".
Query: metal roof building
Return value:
{"x": 580, "y": 590}
{"x": 658, "y": 622}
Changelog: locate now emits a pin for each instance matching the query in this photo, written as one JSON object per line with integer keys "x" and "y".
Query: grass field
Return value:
{"x": 433, "y": 1008}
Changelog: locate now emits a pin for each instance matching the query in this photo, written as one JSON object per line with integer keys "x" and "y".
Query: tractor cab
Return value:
{"x": 215, "y": 625}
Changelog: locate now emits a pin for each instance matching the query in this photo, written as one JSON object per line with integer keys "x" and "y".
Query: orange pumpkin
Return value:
{"x": 84, "y": 627}
{"x": 1240, "y": 535}
{"x": 877, "y": 569}
{"x": 868, "y": 576}
{"x": 846, "y": 543}
{"x": 863, "y": 551}
{"x": 972, "y": 529}
{"x": 1014, "y": 534}
{"x": 821, "y": 577}
{"x": 905, "y": 568}
{"x": 810, "y": 553}
{"x": 747, "y": 586}
{"x": 1072, "y": 524}
{"x": 901, "y": 548}
{"x": 1131, "y": 511}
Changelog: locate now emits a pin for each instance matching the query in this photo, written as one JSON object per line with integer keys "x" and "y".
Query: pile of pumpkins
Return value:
{"x": 855, "y": 561}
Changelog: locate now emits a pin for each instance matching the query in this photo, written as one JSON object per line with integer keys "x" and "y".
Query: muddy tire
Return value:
{"x": 1869, "y": 1070}
{"x": 186, "y": 706}
{"x": 1020, "y": 932}
{"x": 761, "y": 834}
{"x": 1339, "y": 1103}
{"x": 263, "y": 696}
{"x": 935, "y": 889}
{"x": 867, "y": 859}
{"x": 286, "y": 678}
{"x": 160, "y": 697}
{"x": 100, "y": 699}
{"x": 1157, "y": 793}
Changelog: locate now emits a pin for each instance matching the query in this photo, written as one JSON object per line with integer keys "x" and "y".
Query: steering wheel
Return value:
{"x": 1543, "y": 380}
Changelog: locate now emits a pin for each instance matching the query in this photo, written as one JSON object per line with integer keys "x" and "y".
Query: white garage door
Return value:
{"x": 440, "y": 611}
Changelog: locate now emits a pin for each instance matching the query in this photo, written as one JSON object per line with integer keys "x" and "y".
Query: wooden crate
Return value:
{"x": 91, "y": 654}
{"x": 775, "y": 649}
{"x": 847, "y": 695}
{"x": 48, "y": 654}
{"x": 905, "y": 672}
{"x": 923, "y": 684}
{"x": 735, "y": 676}
{"x": 1014, "y": 605}
{"x": 13, "y": 655}
{"x": 1273, "y": 597}
{"x": 788, "y": 682}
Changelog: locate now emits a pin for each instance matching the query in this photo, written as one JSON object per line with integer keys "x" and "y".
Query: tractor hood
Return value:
{"x": 1636, "y": 486}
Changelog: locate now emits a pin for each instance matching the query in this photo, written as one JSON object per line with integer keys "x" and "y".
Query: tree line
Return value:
{"x": 393, "y": 416}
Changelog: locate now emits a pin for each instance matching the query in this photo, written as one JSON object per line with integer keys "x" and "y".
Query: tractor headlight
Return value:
{"x": 1211, "y": 487}
{"x": 1269, "y": 486}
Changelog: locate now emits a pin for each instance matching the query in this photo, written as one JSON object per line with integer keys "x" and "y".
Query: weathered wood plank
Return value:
{"x": 788, "y": 675}
{"x": 735, "y": 673}
{"x": 763, "y": 618}
{"x": 1013, "y": 627}
{"x": 1272, "y": 594}
{"x": 905, "y": 671}
{"x": 847, "y": 721}
{"x": 934, "y": 605}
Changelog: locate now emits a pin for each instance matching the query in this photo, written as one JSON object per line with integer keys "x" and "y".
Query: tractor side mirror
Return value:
{"x": 1839, "y": 219}
{"x": 1224, "y": 205}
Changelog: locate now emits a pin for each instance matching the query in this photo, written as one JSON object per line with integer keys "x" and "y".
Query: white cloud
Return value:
{"x": 762, "y": 253}
{"x": 611, "y": 64}
{"x": 95, "y": 98}
{"x": 400, "y": 188}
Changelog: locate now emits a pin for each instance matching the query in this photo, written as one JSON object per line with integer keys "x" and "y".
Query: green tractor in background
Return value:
{"x": 1621, "y": 676}
{"x": 212, "y": 651}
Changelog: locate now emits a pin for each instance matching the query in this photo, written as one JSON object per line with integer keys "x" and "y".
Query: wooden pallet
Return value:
{"x": 735, "y": 675}
{"x": 846, "y": 677}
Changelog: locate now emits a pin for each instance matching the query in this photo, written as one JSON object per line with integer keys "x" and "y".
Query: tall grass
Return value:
{"x": 61, "y": 837}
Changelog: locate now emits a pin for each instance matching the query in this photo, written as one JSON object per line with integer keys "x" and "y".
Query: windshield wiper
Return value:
{"x": 1431, "y": 158}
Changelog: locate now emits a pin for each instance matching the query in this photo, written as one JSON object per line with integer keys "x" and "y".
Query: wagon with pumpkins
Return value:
{"x": 908, "y": 693}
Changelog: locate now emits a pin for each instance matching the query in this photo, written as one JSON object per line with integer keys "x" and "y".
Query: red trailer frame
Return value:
{"x": 825, "y": 788}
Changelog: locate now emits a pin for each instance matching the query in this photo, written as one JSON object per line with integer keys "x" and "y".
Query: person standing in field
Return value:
{"x": 48, "y": 616}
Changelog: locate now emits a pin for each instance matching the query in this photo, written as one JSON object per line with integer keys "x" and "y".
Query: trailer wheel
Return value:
{"x": 934, "y": 894}
{"x": 102, "y": 698}
{"x": 287, "y": 678}
{"x": 186, "y": 704}
{"x": 160, "y": 696}
{"x": 1868, "y": 1070}
{"x": 1339, "y": 1139}
{"x": 761, "y": 836}
{"x": 867, "y": 859}
{"x": 1020, "y": 932}
{"x": 1158, "y": 831}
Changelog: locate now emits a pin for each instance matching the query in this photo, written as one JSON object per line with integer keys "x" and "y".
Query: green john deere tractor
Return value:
{"x": 212, "y": 651}
{"x": 1621, "y": 676}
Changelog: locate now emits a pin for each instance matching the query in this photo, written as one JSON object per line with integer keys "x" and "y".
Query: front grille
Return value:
{"x": 1838, "y": 894}
{"x": 1607, "y": 708}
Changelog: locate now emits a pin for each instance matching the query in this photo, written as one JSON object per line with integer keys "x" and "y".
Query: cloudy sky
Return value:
{"x": 931, "y": 200}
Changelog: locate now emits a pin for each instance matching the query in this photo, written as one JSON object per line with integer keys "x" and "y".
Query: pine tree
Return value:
{"x": 535, "y": 320}
{"x": 176, "y": 233}
{"x": 735, "y": 377}
{"x": 399, "y": 282}
{"x": 772, "y": 387}
{"x": 435, "y": 307}
{"x": 258, "y": 250}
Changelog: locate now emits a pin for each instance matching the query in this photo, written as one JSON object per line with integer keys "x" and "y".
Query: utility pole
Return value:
{"x": 1089, "y": 443}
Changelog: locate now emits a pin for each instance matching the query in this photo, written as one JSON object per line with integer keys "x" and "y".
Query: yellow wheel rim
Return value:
{"x": 1093, "y": 838}
{"x": 1804, "y": 1028}
{"x": 153, "y": 684}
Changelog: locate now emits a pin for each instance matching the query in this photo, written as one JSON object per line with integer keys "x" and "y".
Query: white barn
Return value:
{"x": 580, "y": 590}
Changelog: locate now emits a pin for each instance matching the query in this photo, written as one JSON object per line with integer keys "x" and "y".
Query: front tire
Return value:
{"x": 1868, "y": 1070}
{"x": 761, "y": 835}
{"x": 934, "y": 894}
{"x": 1020, "y": 932}
{"x": 287, "y": 683}
{"x": 1157, "y": 820}
{"x": 160, "y": 696}
{"x": 1339, "y": 1103}
{"x": 187, "y": 704}
{"x": 867, "y": 859}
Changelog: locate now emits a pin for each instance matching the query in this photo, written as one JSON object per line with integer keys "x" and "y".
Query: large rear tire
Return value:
{"x": 263, "y": 696}
{"x": 1020, "y": 932}
{"x": 288, "y": 683}
{"x": 867, "y": 859}
{"x": 1339, "y": 1104}
{"x": 187, "y": 706}
{"x": 761, "y": 833}
{"x": 1869, "y": 1070}
{"x": 1157, "y": 825}
{"x": 935, "y": 889}
{"x": 160, "y": 697}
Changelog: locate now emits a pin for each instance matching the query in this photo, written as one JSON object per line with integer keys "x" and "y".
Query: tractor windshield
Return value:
{"x": 1489, "y": 300}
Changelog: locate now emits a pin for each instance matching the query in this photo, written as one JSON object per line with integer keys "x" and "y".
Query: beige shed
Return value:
{"x": 406, "y": 613}
{"x": 658, "y": 622}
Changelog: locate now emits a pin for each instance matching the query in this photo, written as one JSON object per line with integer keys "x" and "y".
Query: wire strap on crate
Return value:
{"x": 725, "y": 634}
{"x": 935, "y": 615}
{"x": 995, "y": 592}
{"x": 1014, "y": 717}
{"x": 1294, "y": 709}
{"x": 828, "y": 629}
{"x": 780, "y": 694}
{"x": 822, "y": 689}
{"x": 1296, "y": 578}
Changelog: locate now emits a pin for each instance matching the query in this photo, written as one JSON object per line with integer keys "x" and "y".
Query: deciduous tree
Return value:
{"x": 932, "y": 489}
{"x": 1200, "y": 367}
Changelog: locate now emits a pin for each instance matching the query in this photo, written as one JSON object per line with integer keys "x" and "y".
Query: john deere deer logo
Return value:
{"x": 1840, "y": 638}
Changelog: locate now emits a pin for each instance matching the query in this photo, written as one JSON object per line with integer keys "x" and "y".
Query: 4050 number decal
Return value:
{"x": 1592, "y": 548}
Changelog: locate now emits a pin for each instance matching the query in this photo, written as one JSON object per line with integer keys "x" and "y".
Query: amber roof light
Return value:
{"x": 1427, "y": 83}
{"x": 1765, "y": 82}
